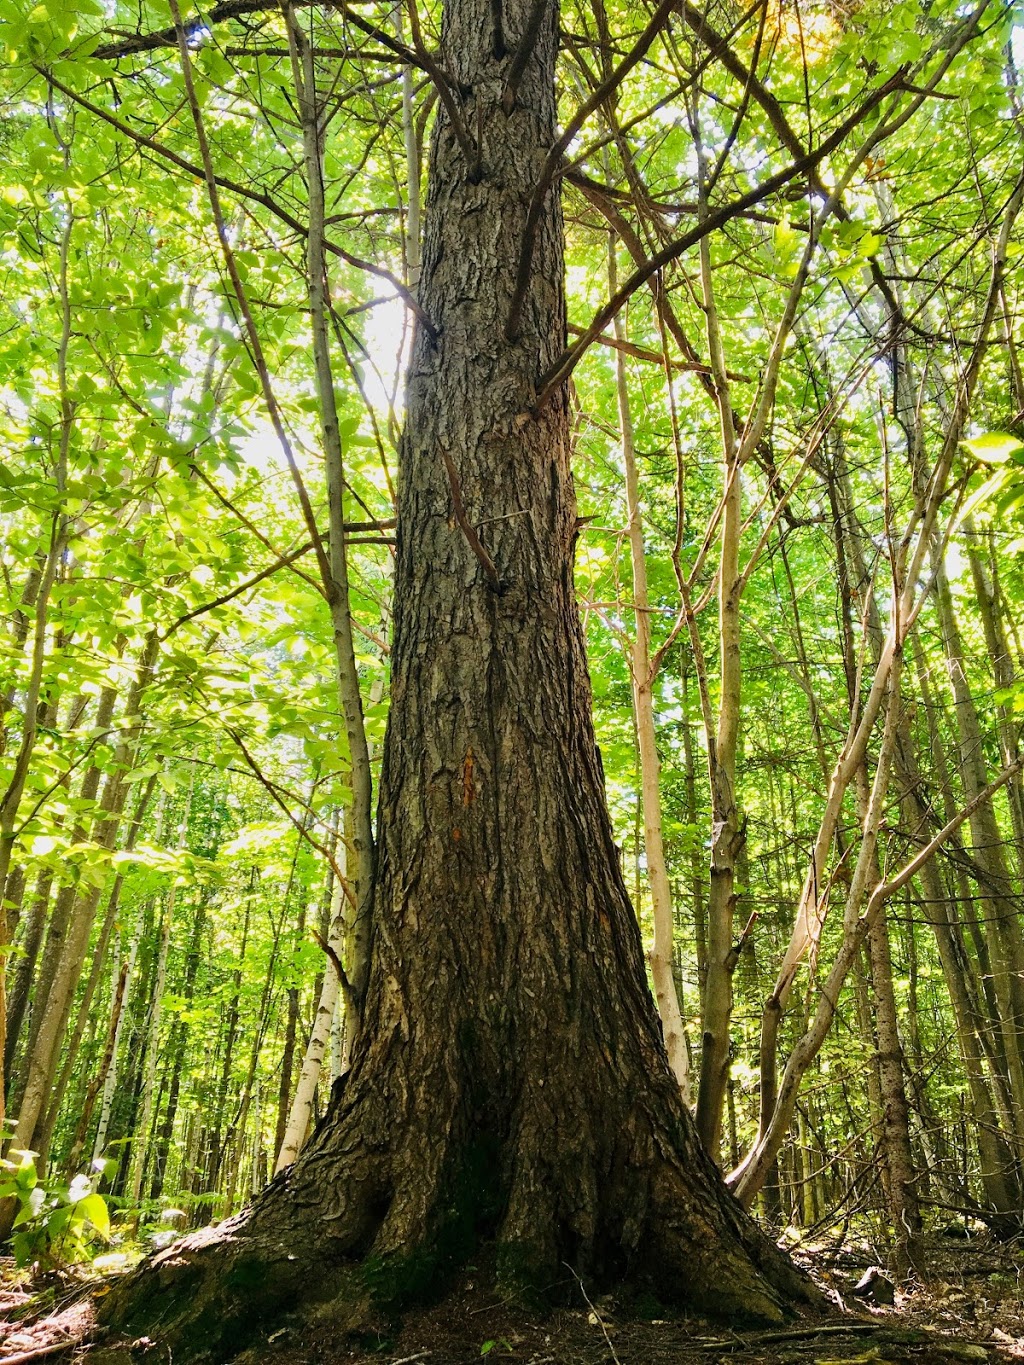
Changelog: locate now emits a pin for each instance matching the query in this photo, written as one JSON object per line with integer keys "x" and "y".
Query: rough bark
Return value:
{"x": 35, "y": 924}
{"x": 727, "y": 829}
{"x": 510, "y": 1083}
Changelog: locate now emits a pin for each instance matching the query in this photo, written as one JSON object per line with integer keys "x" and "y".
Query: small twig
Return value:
{"x": 274, "y": 792}
{"x": 241, "y": 190}
{"x": 600, "y": 1319}
{"x": 656, "y": 358}
{"x": 96, "y": 739}
{"x": 347, "y": 989}
{"x": 342, "y": 974}
{"x": 736, "y": 951}
{"x": 52, "y": 1350}
{"x": 468, "y": 530}
{"x": 227, "y": 597}
{"x": 563, "y": 367}
{"x": 738, "y": 1343}
{"x": 249, "y": 525}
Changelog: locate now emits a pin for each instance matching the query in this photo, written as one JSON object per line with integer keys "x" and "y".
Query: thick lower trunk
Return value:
{"x": 510, "y": 1082}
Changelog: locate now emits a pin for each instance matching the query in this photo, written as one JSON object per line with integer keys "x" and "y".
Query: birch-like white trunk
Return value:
{"x": 319, "y": 1039}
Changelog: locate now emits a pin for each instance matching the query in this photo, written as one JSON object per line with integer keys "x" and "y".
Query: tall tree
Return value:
{"x": 510, "y": 1078}
{"x": 222, "y": 298}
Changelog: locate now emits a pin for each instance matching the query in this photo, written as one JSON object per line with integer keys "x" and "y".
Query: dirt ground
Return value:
{"x": 967, "y": 1306}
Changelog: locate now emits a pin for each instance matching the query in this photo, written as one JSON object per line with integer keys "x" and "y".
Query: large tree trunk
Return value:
{"x": 510, "y": 1082}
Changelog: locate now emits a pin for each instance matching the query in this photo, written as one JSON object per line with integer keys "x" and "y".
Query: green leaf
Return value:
{"x": 32, "y": 1207}
{"x": 24, "y": 1245}
{"x": 94, "y": 1209}
{"x": 995, "y": 447}
{"x": 25, "y": 1172}
{"x": 60, "y": 1220}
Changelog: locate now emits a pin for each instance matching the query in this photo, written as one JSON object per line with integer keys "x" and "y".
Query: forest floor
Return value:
{"x": 967, "y": 1306}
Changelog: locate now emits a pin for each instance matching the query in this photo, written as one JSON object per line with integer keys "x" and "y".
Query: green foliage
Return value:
{"x": 56, "y": 1223}
{"x": 137, "y": 430}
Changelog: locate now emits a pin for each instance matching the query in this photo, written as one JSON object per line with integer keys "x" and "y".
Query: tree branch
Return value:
{"x": 346, "y": 985}
{"x": 523, "y": 52}
{"x": 242, "y": 191}
{"x": 272, "y": 789}
{"x": 567, "y": 362}
{"x": 554, "y": 158}
{"x": 468, "y": 530}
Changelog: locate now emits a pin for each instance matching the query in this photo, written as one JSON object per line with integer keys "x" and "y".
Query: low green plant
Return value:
{"x": 500, "y": 1344}
{"x": 57, "y": 1222}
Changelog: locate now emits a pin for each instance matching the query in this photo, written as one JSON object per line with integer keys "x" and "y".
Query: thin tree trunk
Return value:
{"x": 750, "y": 1175}
{"x": 695, "y": 860}
{"x": 99, "y": 956}
{"x": 904, "y": 1206}
{"x": 359, "y": 821}
{"x": 175, "y": 1053}
{"x": 109, "y": 1078}
{"x": 35, "y": 924}
{"x": 643, "y": 676}
{"x": 11, "y": 798}
{"x": 217, "y": 1144}
{"x": 1004, "y": 676}
{"x": 301, "y": 1108}
{"x": 995, "y": 1158}
{"x": 142, "y": 1133}
{"x": 121, "y": 972}
{"x": 1005, "y": 943}
{"x": 727, "y": 830}
{"x": 292, "y": 1021}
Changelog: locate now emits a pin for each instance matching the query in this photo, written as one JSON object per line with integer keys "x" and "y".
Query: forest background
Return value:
{"x": 801, "y": 491}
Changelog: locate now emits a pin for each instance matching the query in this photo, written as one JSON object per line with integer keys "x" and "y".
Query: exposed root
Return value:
{"x": 218, "y": 1292}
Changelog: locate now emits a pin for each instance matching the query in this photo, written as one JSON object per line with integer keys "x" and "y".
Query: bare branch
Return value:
{"x": 523, "y": 52}
{"x": 567, "y": 362}
{"x": 554, "y": 158}
{"x": 242, "y": 191}
{"x": 468, "y": 530}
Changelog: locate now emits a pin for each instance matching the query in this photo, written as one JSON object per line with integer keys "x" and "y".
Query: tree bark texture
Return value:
{"x": 510, "y": 1083}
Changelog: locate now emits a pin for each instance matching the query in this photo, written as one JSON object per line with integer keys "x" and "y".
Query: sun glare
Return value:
{"x": 806, "y": 33}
